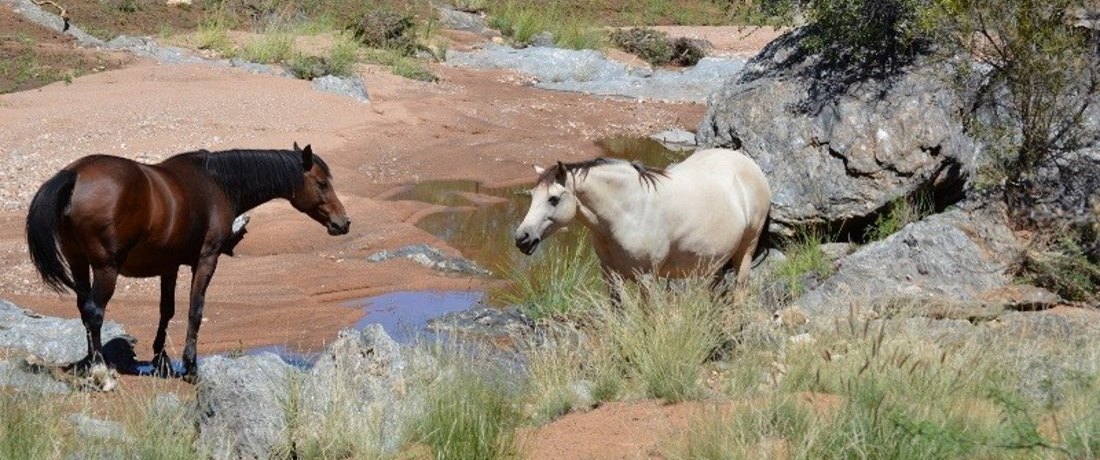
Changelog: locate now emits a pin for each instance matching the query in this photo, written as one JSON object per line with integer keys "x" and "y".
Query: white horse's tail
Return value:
{"x": 764, "y": 243}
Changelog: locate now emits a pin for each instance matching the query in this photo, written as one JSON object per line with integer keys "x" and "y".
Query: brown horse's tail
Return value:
{"x": 42, "y": 226}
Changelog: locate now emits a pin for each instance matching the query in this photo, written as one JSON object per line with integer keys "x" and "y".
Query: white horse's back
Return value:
{"x": 715, "y": 204}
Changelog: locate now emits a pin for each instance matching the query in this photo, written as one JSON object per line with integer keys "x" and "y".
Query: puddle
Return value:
{"x": 404, "y": 315}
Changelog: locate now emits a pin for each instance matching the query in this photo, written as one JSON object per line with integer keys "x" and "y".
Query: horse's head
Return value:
{"x": 553, "y": 205}
{"x": 317, "y": 198}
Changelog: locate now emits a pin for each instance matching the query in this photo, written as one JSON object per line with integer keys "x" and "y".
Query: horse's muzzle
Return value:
{"x": 527, "y": 245}
{"x": 339, "y": 226}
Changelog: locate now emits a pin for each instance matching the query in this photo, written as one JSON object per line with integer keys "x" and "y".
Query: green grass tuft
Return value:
{"x": 804, "y": 258}
{"x": 555, "y": 284}
{"x": 29, "y": 428}
{"x": 662, "y": 336}
{"x": 269, "y": 48}
{"x": 469, "y": 414}
{"x": 900, "y": 212}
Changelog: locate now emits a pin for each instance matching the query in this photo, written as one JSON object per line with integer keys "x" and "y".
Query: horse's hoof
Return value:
{"x": 162, "y": 367}
{"x": 81, "y": 368}
{"x": 191, "y": 377}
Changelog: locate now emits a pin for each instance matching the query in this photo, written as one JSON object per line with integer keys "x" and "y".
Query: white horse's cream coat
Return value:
{"x": 705, "y": 212}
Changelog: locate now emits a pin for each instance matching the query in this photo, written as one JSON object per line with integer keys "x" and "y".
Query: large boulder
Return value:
{"x": 957, "y": 257}
{"x": 839, "y": 145}
{"x": 361, "y": 376}
{"x": 243, "y": 404}
{"x": 258, "y": 406}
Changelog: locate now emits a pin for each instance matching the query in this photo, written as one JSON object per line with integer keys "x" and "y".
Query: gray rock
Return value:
{"x": 352, "y": 87}
{"x": 504, "y": 327}
{"x": 363, "y": 373}
{"x": 17, "y": 374}
{"x": 591, "y": 72}
{"x": 544, "y": 39}
{"x": 242, "y": 404}
{"x": 838, "y": 155}
{"x": 100, "y": 430}
{"x": 676, "y": 139}
{"x": 53, "y": 340}
{"x": 51, "y": 20}
{"x": 582, "y": 394}
{"x": 945, "y": 258}
{"x": 451, "y": 18}
{"x": 147, "y": 47}
{"x": 431, "y": 257}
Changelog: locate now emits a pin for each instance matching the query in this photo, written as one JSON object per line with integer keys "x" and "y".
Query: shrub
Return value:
{"x": 1039, "y": 76}
{"x": 656, "y": 48}
{"x": 865, "y": 31}
{"x": 387, "y": 29}
{"x": 1064, "y": 268}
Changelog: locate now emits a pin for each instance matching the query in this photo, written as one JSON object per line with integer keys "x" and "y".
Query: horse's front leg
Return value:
{"x": 614, "y": 286}
{"x": 162, "y": 364}
{"x": 200, "y": 279}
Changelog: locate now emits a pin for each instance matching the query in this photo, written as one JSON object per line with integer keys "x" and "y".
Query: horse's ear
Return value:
{"x": 559, "y": 174}
{"x": 296, "y": 148}
{"x": 539, "y": 170}
{"x": 307, "y": 157}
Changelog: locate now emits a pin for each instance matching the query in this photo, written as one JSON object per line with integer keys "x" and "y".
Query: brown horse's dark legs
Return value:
{"x": 200, "y": 279}
{"x": 92, "y": 311}
{"x": 82, "y": 281}
{"x": 162, "y": 365}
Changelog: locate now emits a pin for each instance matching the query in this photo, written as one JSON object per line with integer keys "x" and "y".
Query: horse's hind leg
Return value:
{"x": 162, "y": 365}
{"x": 92, "y": 310}
{"x": 718, "y": 285}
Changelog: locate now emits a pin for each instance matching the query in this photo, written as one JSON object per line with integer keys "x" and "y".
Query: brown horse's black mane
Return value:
{"x": 647, "y": 176}
{"x": 251, "y": 177}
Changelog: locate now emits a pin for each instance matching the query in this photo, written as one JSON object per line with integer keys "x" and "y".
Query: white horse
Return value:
{"x": 705, "y": 212}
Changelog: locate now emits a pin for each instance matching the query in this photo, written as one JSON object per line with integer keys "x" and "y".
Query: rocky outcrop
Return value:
{"x": 352, "y": 87}
{"x": 465, "y": 21}
{"x": 838, "y": 145}
{"x": 364, "y": 376}
{"x": 252, "y": 406}
{"x": 955, "y": 257}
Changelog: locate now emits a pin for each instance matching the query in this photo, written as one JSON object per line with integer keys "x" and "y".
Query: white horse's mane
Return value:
{"x": 647, "y": 176}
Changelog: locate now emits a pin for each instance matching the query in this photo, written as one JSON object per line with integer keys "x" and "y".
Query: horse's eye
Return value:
{"x": 322, "y": 184}
{"x": 554, "y": 200}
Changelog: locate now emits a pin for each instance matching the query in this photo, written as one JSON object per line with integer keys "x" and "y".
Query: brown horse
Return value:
{"x": 114, "y": 216}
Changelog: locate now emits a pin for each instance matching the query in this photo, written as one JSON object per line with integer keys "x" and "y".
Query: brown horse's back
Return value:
{"x": 144, "y": 219}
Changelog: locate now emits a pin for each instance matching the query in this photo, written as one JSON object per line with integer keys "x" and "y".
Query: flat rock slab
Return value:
{"x": 53, "y": 340}
{"x": 591, "y": 72}
{"x": 432, "y": 258}
{"x": 947, "y": 258}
